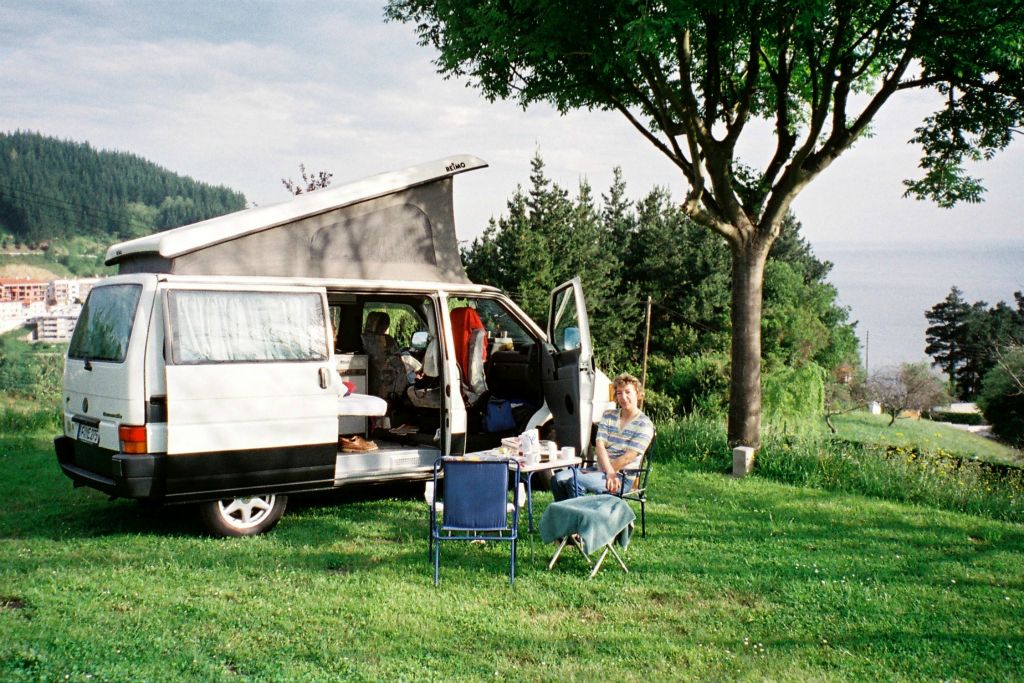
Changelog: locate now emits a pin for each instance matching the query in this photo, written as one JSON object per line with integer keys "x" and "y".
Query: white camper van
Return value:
{"x": 247, "y": 357}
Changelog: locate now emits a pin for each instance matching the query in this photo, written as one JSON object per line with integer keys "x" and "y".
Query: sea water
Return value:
{"x": 890, "y": 287}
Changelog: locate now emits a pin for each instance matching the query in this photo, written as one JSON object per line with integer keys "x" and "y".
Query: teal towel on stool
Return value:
{"x": 597, "y": 519}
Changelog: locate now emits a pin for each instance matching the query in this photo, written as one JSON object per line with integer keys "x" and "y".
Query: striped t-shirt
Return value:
{"x": 635, "y": 436}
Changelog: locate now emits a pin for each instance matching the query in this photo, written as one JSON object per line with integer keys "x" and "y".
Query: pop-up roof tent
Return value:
{"x": 393, "y": 226}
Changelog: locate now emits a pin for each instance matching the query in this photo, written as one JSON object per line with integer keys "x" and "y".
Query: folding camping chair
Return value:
{"x": 637, "y": 476}
{"x": 476, "y": 505}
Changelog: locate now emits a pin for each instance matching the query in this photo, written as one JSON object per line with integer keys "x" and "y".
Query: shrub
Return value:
{"x": 972, "y": 419}
{"x": 690, "y": 383}
{"x": 793, "y": 395}
{"x": 1002, "y": 397}
{"x": 935, "y": 478}
{"x": 30, "y": 419}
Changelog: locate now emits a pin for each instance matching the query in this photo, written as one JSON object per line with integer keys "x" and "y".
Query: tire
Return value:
{"x": 248, "y": 516}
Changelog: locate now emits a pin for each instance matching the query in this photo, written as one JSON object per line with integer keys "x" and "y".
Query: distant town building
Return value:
{"x": 11, "y": 311}
{"x": 22, "y": 289}
{"x": 52, "y": 308}
{"x": 69, "y": 291}
{"x": 55, "y": 328}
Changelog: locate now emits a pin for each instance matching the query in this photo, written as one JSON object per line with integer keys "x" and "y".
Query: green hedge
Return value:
{"x": 972, "y": 419}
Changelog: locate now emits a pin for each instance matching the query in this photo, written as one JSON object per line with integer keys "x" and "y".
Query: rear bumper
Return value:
{"x": 197, "y": 476}
{"x": 117, "y": 474}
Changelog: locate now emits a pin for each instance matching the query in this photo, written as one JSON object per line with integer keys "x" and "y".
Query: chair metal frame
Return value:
{"x": 640, "y": 475}
{"x": 444, "y": 529}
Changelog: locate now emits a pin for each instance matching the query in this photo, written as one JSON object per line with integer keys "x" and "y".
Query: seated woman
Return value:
{"x": 623, "y": 436}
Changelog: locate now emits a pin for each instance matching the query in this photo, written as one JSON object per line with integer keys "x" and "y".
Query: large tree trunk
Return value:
{"x": 745, "y": 381}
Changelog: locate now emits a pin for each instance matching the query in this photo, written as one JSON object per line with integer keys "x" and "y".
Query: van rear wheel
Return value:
{"x": 246, "y": 516}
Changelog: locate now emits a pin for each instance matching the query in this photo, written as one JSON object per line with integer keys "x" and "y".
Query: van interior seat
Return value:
{"x": 386, "y": 370}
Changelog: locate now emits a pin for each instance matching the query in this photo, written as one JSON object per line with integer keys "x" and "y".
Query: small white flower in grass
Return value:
{"x": 952, "y": 580}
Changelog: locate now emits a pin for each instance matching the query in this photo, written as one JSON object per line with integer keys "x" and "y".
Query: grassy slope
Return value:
{"x": 927, "y": 435}
{"x": 738, "y": 580}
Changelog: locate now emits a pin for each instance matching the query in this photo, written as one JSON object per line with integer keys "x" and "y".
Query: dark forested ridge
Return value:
{"x": 52, "y": 188}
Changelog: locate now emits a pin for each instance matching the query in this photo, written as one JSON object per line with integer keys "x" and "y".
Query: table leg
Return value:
{"x": 529, "y": 499}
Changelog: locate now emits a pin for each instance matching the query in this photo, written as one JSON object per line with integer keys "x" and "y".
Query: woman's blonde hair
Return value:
{"x": 626, "y": 378}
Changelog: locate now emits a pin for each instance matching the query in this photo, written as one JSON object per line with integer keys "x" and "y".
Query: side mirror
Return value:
{"x": 420, "y": 339}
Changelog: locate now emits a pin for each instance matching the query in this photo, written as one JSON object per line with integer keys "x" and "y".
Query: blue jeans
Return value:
{"x": 588, "y": 480}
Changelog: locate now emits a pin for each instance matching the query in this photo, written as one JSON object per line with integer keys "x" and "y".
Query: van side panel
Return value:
{"x": 238, "y": 406}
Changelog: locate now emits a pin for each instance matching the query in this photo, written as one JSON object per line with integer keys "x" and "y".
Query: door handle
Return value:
{"x": 325, "y": 380}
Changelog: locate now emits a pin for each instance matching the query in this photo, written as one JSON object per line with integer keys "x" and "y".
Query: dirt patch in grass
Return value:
{"x": 12, "y": 603}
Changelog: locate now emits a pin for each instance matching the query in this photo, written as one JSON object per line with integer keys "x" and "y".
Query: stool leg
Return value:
{"x": 617, "y": 557}
{"x": 579, "y": 546}
{"x": 558, "y": 552}
{"x": 608, "y": 549}
{"x": 599, "y": 561}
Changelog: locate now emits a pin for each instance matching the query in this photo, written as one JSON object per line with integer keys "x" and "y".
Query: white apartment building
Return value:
{"x": 54, "y": 328}
{"x": 69, "y": 291}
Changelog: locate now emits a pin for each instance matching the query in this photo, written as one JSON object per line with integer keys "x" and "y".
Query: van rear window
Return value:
{"x": 104, "y": 327}
{"x": 245, "y": 327}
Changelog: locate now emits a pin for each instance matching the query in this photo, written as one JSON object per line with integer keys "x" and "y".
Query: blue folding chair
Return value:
{"x": 476, "y": 504}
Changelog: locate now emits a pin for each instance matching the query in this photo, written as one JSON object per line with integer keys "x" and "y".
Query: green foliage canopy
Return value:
{"x": 625, "y": 252}
{"x": 1002, "y": 396}
{"x": 966, "y": 340}
{"x": 691, "y": 76}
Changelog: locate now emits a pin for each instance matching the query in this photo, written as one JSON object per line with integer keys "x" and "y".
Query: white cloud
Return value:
{"x": 240, "y": 94}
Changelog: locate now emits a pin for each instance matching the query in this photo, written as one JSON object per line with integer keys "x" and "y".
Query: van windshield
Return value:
{"x": 105, "y": 325}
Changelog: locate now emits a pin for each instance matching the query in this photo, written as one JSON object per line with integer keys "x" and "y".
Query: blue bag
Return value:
{"x": 498, "y": 416}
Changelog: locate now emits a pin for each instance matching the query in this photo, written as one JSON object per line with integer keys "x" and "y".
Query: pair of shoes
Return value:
{"x": 356, "y": 444}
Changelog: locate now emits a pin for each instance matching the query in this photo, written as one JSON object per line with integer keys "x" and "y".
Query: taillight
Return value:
{"x": 133, "y": 439}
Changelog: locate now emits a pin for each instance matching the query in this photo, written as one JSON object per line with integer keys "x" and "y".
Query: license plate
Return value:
{"x": 88, "y": 434}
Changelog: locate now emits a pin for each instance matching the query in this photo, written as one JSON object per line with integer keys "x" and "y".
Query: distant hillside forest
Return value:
{"x": 56, "y": 189}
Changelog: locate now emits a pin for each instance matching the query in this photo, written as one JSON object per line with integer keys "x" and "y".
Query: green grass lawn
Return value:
{"x": 737, "y": 580}
{"x": 926, "y": 435}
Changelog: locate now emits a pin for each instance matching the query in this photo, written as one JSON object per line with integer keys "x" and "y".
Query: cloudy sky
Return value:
{"x": 239, "y": 93}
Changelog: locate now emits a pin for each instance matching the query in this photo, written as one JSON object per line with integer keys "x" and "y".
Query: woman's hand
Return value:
{"x": 611, "y": 481}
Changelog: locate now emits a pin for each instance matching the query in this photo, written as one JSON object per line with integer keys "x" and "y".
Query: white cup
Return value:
{"x": 568, "y": 452}
{"x": 552, "y": 451}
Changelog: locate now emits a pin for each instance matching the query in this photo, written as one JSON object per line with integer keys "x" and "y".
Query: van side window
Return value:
{"x": 245, "y": 327}
{"x": 105, "y": 325}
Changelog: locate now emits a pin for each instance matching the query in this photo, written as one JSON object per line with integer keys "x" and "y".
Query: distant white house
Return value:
{"x": 69, "y": 291}
{"x": 55, "y": 328}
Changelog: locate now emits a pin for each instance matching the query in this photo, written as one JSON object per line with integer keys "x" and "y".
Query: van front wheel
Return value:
{"x": 247, "y": 516}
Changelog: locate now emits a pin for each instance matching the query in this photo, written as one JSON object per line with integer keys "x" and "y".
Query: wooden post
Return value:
{"x": 647, "y": 342}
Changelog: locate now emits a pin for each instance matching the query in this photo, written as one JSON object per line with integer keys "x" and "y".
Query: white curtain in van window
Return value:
{"x": 246, "y": 326}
